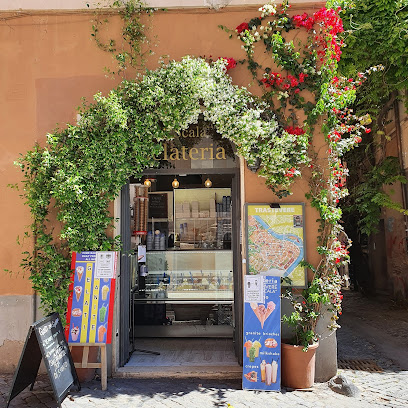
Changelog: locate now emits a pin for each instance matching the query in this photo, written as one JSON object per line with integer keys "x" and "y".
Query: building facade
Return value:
{"x": 49, "y": 62}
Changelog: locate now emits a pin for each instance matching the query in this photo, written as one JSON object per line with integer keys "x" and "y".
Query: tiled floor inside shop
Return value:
{"x": 176, "y": 352}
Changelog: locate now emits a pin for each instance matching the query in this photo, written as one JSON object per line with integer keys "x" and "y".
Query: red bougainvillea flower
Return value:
{"x": 231, "y": 63}
{"x": 295, "y": 130}
{"x": 368, "y": 130}
{"x": 242, "y": 27}
{"x": 302, "y": 77}
{"x": 266, "y": 82}
{"x": 293, "y": 81}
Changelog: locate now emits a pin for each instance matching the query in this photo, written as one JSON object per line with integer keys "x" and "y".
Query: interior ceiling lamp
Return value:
{"x": 147, "y": 182}
{"x": 175, "y": 183}
{"x": 208, "y": 183}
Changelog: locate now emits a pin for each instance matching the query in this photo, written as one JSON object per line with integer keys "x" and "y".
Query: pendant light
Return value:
{"x": 208, "y": 183}
{"x": 175, "y": 183}
{"x": 147, "y": 182}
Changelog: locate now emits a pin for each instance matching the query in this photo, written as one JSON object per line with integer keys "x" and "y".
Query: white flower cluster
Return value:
{"x": 268, "y": 9}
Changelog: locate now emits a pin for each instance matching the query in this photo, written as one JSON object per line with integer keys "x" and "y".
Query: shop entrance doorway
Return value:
{"x": 184, "y": 268}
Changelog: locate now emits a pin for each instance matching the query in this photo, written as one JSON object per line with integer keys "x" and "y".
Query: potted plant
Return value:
{"x": 322, "y": 295}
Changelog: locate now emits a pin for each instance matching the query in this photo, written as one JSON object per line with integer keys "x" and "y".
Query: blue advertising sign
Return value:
{"x": 91, "y": 299}
{"x": 262, "y": 333}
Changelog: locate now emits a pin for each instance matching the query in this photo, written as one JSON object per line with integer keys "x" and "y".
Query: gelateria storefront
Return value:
{"x": 181, "y": 224}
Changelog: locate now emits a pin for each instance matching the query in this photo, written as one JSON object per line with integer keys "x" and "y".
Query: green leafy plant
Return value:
{"x": 83, "y": 167}
{"x": 376, "y": 32}
{"x": 134, "y": 45}
{"x": 370, "y": 196}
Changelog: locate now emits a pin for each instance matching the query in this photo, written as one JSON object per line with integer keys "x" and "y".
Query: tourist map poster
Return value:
{"x": 275, "y": 241}
{"x": 262, "y": 333}
{"x": 91, "y": 298}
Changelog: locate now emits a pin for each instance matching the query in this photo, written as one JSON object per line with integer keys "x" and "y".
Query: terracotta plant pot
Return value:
{"x": 298, "y": 366}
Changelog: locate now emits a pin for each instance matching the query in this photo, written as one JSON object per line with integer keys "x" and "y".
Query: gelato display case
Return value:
{"x": 190, "y": 275}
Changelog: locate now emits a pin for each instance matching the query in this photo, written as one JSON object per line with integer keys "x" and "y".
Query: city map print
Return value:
{"x": 275, "y": 241}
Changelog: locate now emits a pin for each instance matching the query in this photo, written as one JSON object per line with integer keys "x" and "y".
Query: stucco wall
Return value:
{"x": 48, "y": 63}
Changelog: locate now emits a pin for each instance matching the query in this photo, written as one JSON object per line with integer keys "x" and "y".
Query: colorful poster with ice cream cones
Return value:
{"x": 262, "y": 333}
{"x": 91, "y": 299}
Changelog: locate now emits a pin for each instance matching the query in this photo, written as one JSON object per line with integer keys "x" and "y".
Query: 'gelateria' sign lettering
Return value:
{"x": 193, "y": 153}
{"x": 193, "y": 144}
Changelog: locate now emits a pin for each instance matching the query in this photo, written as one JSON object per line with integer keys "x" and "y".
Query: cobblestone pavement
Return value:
{"x": 385, "y": 389}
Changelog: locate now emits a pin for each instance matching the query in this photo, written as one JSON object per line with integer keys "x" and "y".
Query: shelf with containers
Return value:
{"x": 202, "y": 218}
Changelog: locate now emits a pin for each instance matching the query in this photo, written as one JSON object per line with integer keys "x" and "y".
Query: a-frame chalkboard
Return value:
{"x": 46, "y": 339}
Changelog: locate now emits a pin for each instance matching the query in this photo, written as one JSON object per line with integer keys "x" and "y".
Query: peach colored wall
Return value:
{"x": 50, "y": 61}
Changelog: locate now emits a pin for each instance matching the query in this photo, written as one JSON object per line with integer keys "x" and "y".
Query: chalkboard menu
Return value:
{"x": 158, "y": 205}
{"x": 46, "y": 340}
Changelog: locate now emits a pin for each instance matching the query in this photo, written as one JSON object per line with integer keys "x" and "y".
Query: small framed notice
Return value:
{"x": 105, "y": 265}
{"x": 254, "y": 289}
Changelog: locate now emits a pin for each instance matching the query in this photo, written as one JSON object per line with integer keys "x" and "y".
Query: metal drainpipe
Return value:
{"x": 401, "y": 160}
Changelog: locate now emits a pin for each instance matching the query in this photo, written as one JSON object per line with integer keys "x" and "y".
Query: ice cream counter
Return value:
{"x": 190, "y": 275}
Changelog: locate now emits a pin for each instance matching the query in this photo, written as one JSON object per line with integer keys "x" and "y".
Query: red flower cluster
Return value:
{"x": 275, "y": 79}
{"x": 332, "y": 24}
{"x": 303, "y": 21}
{"x": 295, "y": 130}
{"x": 331, "y": 20}
{"x": 242, "y": 27}
{"x": 341, "y": 253}
{"x": 338, "y": 177}
{"x": 335, "y": 136}
{"x": 231, "y": 63}
{"x": 329, "y": 17}
{"x": 290, "y": 172}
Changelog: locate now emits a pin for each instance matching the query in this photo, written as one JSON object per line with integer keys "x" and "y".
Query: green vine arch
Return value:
{"x": 83, "y": 167}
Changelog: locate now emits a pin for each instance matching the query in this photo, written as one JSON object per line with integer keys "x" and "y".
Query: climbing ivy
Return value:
{"x": 134, "y": 44}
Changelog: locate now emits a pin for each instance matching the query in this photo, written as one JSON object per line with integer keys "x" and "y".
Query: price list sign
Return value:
{"x": 46, "y": 340}
{"x": 91, "y": 299}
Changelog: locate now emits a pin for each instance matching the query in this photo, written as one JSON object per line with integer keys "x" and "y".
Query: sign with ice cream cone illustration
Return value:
{"x": 91, "y": 299}
{"x": 262, "y": 333}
